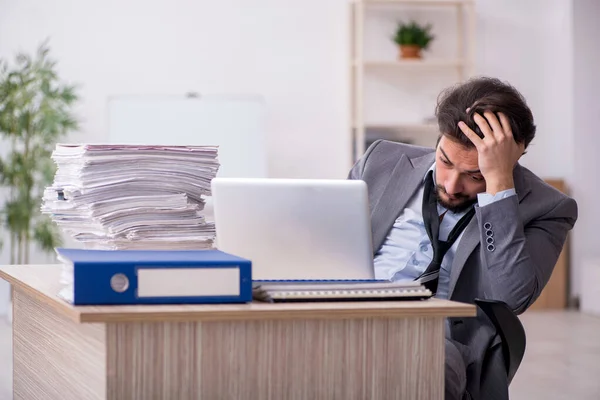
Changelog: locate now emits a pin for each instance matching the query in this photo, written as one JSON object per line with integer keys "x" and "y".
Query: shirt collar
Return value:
{"x": 432, "y": 168}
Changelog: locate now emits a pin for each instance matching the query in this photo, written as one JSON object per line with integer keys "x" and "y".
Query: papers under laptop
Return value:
{"x": 278, "y": 291}
{"x": 307, "y": 239}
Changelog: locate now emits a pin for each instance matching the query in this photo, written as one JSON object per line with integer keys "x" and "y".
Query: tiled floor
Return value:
{"x": 562, "y": 360}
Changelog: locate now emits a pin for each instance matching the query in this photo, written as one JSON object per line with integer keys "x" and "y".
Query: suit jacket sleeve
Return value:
{"x": 518, "y": 259}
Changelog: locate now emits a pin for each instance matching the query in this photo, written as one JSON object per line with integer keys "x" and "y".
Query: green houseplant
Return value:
{"x": 412, "y": 38}
{"x": 35, "y": 112}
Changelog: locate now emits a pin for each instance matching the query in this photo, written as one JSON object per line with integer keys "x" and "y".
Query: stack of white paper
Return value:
{"x": 133, "y": 197}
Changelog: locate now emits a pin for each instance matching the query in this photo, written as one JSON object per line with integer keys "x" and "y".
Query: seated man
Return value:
{"x": 467, "y": 219}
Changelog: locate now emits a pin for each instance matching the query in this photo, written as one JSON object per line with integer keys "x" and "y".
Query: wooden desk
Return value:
{"x": 363, "y": 350}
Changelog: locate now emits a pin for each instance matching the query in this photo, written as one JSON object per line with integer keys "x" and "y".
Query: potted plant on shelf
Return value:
{"x": 412, "y": 38}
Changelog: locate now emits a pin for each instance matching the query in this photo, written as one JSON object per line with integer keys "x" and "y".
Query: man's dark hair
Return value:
{"x": 483, "y": 94}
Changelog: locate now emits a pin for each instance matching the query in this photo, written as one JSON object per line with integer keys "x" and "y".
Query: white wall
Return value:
{"x": 294, "y": 53}
{"x": 586, "y": 113}
{"x": 528, "y": 43}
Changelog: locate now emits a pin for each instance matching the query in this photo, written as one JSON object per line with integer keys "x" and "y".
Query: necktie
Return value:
{"x": 429, "y": 278}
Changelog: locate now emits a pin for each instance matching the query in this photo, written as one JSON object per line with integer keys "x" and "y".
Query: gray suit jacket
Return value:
{"x": 529, "y": 231}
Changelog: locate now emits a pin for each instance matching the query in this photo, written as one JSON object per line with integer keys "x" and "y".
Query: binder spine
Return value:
{"x": 119, "y": 283}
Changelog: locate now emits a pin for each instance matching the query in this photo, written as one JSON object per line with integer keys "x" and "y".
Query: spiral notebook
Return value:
{"x": 338, "y": 290}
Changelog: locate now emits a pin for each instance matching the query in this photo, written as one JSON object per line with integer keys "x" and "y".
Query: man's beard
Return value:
{"x": 464, "y": 204}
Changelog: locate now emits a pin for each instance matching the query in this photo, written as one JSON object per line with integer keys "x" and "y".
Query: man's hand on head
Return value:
{"x": 498, "y": 152}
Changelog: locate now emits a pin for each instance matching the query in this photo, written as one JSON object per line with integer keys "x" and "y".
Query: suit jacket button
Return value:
{"x": 491, "y": 247}
{"x": 490, "y": 240}
{"x": 487, "y": 226}
{"x": 489, "y": 233}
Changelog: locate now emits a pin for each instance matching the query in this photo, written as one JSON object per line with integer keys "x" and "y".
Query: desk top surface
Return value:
{"x": 42, "y": 282}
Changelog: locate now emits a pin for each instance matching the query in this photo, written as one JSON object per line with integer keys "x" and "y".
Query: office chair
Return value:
{"x": 511, "y": 332}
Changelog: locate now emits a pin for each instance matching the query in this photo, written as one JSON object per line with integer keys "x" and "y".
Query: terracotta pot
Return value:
{"x": 410, "y": 51}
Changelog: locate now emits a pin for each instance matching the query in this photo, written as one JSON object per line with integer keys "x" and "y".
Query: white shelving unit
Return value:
{"x": 411, "y": 64}
{"x": 394, "y": 98}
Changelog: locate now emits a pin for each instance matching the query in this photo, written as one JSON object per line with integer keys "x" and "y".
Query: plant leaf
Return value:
{"x": 46, "y": 234}
{"x": 35, "y": 113}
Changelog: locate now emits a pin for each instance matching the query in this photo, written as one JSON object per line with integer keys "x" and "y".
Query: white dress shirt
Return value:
{"x": 406, "y": 251}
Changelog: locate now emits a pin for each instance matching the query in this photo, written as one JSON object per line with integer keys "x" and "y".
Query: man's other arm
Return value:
{"x": 518, "y": 260}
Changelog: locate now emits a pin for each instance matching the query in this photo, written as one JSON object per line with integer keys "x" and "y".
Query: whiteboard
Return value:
{"x": 236, "y": 123}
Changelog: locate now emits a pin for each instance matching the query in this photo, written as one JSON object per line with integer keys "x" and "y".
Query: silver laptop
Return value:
{"x": 295, "y": 228}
